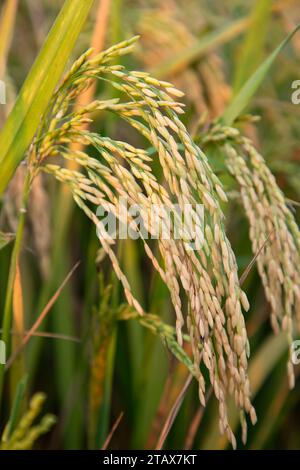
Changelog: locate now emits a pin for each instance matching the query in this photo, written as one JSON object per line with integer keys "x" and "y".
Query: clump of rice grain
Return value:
{"x": 208, "y": 275}
{"x": 270, "y": 219}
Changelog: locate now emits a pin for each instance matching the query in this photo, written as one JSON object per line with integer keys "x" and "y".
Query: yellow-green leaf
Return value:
{"x": 22, "y": 123}
{"x": 251, "y": 52}
{"x": 241, "y": 100}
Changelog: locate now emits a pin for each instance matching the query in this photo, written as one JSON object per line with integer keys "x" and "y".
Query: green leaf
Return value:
{"x": 16, "y": 408}
{"x": 5, "y": 239}
{"x": 7, "y": 21}
{"x": 251, "y": 52}
{"x": 23, "y": 121}
{"x": 241, "y": 100}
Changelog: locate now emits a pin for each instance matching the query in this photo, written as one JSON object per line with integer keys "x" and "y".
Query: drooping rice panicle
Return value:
{"x": 273, "y": 231}
{"x": 206, "y": 272}
{"x": 269, "y": 216}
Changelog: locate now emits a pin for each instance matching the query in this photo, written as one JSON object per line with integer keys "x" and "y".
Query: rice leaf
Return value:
{"x": 7, "y": 21}
{"x": 19, "y": 368}
{"x": 22, "y": 123}
{"x": 16, "y": 407}
{"x": 250, "y": 54}
{"x": 242, "y": 99}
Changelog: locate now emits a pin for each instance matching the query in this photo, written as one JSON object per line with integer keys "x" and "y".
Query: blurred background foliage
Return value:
{"x": 94, "y": 366}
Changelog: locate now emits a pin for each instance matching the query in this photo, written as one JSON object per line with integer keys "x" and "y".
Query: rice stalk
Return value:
{"x": 7, "y": 22}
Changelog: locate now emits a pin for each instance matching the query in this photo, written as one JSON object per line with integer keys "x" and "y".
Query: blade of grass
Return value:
{"x": 105, "y": 408}
{"x": 173, "y": 384}
{"x": 46, "y": 334}
{"x": 112, "y": 432}
{"x": 172, "y": 415}
{"x": 116, "y": 21}
{"x": 62, "y": 319}
{"x": 153, "y": 369}
{"x": 252, "y": 49}
{"x": 252, "y": 262}
{"x": 41, "y": 317}
{"x": 242, "y": 99}
{"x": 7, "y": 315}
{"x": 16, "y": 407}
{"x": 151, "y": 383}
{"x": 192, "y": 431}
{"x": 22, "y": 123}
{"x": 7, "y": 22}
{"x": 18, "y": 371}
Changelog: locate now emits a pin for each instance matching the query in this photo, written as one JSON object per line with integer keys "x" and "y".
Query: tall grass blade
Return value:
{"x": 250, "y": 54}
{"x": 7, "y": 21}
{"x": 41, "y": 317}
{"x": 22, "y": 123}
{"x": 172, "y": 415}
{"x": 16, "y": 407}
{"x": 113, "y": 430}
{"x": 242, "y": 99}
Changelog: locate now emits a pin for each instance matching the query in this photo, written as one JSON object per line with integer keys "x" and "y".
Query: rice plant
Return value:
{"x": 157, "y": 306}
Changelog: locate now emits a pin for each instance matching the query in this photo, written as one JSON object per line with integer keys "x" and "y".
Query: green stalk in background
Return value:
{"x": 7, "y": 316}
{"x": 8, "y": 15}
{"x": 252, "y": 49}
{"x": 242, "y": 99}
